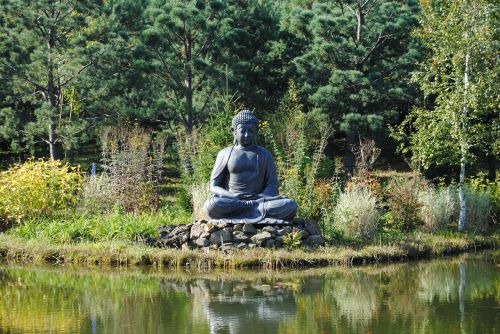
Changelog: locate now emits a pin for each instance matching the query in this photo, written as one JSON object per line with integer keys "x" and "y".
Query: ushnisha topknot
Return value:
{"x": 244, "y": 117}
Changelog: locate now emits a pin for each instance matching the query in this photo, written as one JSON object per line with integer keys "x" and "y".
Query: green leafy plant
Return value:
{"x": 404, "y": 205}
{"x": 292, "y": 240}
{"x": 37, "y": 188}
{"x": 297, "y": 141}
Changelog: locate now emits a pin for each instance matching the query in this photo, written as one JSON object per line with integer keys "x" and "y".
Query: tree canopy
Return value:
{"x": 68, "y": 67}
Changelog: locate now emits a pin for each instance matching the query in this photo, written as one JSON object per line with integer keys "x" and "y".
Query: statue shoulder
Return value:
{"x": 264, "y": 151}
{"x": 224, "y": 152}
{"x": 221, "y": 162}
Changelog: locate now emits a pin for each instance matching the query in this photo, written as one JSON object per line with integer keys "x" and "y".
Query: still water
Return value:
{"x": 452, "y": 295}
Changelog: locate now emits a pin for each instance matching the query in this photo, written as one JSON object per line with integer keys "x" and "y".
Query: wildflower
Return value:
{"x": 264, "y": 124}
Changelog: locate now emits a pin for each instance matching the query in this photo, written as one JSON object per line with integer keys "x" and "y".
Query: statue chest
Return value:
{"x": 243, "y": 163}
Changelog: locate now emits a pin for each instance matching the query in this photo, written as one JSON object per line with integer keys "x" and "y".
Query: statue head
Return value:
{"x": 244, "y": 126}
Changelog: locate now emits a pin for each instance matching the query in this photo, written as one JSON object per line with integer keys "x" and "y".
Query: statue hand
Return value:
{"x": 246, "y": 196}
{"x": 268, "y": 198}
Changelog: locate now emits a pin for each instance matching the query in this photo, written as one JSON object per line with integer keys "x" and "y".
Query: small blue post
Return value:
{"x": 93, "y": 169}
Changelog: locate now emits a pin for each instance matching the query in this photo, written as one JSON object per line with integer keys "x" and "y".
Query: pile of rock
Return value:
{"x": 224, "y": 235}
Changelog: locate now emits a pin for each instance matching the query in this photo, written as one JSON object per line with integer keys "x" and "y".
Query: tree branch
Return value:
{"x": 380, "y": 40}
{"x": 64, "y": 83}
{"x": 166, "y": 68}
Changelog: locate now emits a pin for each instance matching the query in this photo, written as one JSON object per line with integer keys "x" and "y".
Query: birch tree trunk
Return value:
{"x": 463, "y": 144}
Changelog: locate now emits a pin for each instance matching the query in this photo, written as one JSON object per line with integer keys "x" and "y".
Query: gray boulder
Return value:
{"x": 249, "y": 228}
{"x": 220, "y": 237}
{"x": 315, "y": 241}
{"x": 181, "y": 229}
{"x": 260, "y": 238}
{"x": 312, "y": 227}
{"x": 165, "y": 230}
{"x": 284, "y": 231}
{"x": 196, "y": 231}
{"x": 202, "y": 242}
{"x": 269, "y": 229}
{"x": 240, "y": 236}
{"x": 242, "y": 245}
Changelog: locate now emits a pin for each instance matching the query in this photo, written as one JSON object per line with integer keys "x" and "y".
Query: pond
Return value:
{"x": 451, "y": 295}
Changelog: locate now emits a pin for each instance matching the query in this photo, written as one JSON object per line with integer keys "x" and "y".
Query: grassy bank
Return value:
{"x": 121, "y": 253}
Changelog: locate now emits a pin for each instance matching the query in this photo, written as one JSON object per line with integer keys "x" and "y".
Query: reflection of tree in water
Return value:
{"x": 49, "y": 300}
{"x": 417, "y": 297}
{"x": 458, "y": 295}
{"x": 357, "y": 296}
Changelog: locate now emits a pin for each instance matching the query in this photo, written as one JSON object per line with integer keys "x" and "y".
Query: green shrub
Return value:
{"x": 292, "y": 240}
{"x": 37, "y": 188}
{"x": 297, "y": 140}
{"x": 438, "y": 207}
{"x": 356, "y": 214}
{"x": 481, "y": 184}
{"x": 403, "y": 202}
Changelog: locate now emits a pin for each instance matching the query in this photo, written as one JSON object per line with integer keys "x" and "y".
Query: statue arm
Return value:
{"x": 271, "y": 179}
{"x": 219, "y": 174}
{"x": 217, "y": 189}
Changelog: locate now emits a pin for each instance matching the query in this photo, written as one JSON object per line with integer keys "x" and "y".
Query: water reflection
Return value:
{"x": 236, "y": 306}
{"x": 449, "y": 295}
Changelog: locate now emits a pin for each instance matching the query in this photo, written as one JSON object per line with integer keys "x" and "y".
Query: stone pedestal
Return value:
{"x": 223, "y": 234}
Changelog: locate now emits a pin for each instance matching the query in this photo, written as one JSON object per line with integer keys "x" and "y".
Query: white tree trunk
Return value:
{"x": 461, "y": 196}
{"x": 463, "y": 144}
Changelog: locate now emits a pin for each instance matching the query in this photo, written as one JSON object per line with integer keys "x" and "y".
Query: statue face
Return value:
{"x": 245, "y": 134}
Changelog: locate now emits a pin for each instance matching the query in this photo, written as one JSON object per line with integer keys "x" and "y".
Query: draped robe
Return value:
{"x": 265, "y": 182}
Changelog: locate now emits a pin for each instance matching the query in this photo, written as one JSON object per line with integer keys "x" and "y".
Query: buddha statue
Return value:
{"x": 244, "y": 183}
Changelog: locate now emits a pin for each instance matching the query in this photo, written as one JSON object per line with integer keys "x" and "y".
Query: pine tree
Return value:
{"x": 117, "y": 89}
{"x": 53, "y": 48}
{"x": 259, "y": 57}
{"x": 185, "y": 41}
{"x": 356, "y": 63}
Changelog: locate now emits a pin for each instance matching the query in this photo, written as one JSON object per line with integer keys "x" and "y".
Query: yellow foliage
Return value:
{"x": 37, "y": 188}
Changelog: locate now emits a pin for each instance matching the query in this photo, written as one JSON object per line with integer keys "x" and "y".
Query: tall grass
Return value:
{"x": 199, "y": 193}
{"x": 356, "y": 214}
{"x": 133, "y": 162}
{"x": 438, "y": 207}
{"x": 74, "y": 228}
{"x": 479, "y": 209}
{"x": 97, "y": 194}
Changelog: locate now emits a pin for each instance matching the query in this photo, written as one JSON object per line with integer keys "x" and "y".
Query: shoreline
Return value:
{"x": 127, "y": 254}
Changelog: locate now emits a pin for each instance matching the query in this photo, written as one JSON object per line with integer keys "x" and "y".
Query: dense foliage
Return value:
{"x": 70, "y": 65}
{"x": 37, "y": 189}
{"x": 331, "y": 81}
